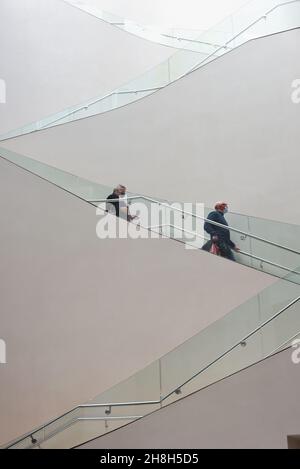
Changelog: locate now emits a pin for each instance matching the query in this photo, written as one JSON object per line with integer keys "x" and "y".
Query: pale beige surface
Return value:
{"x": 79, "y": 314}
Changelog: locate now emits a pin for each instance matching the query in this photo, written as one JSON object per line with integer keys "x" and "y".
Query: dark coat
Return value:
{"x": 214, "y": 230}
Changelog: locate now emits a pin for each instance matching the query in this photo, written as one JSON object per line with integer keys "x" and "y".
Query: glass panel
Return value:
{"x": 157, "y": 77}
{"x": 262, "y": 255}
{"x": 142, "y": 386}
{"x": 192, "y": 357}
{"x": 183, "y": 363}
{"x": 59, "y": 425}
{"x": 183, "y": 62}
{"x": 273, "y": 337}
{"x": 81, "y": 187}
{"x": 30, "y": 442}
{"x": 284, "y": 18}
{"x": 83, "y": 431}
{"x": 281, "y": 330}
{"x": 65, "y": 439}
{"x": 156, "y": 34}
{"x": 281, "y": 233}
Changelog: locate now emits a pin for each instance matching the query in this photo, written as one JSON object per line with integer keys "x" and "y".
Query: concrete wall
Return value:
{"x": 228, "y": 131}
{"x": 256, "y": 408}
{"x": 72, "y": 305}
{"x": 54, "y": 56}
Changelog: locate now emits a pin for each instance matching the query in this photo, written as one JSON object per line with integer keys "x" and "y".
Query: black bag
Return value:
{"x": 207, "y": 246}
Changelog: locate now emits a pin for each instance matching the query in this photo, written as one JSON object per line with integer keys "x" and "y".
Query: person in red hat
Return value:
{"x": 219, "y": 235}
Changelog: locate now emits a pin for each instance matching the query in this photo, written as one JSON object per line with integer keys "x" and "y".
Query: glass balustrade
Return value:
{"x": 78, "y": 186}
{"x": 173, "y": 37}
{"x": 256, "y": 19}
{"x": 243, "y": 337}
{"x": 254, "y": 236}
{"x": 263, "y": 243}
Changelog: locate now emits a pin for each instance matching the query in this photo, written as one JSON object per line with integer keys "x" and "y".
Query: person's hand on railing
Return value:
{"x": 132, "y": 217}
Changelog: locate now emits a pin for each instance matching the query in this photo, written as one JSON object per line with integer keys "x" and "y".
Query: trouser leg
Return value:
{"x": 226, "y": 251}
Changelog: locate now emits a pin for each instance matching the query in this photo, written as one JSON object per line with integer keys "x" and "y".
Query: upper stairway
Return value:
{"x": 254, "y": 20}
{"x": 266, "y": 245}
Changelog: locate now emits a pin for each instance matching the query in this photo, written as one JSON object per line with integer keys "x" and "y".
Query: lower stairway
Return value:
{"x": 247, "y": 410}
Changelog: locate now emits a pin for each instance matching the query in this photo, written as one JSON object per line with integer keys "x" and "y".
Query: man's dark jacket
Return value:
{"x": 214, "y": 230}
{"x": 115, "y": 203}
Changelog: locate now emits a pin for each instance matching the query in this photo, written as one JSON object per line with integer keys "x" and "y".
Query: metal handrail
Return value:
{"x": 241, "y": 342}
{"x": 82, "y": 419}
{"x": 117, "y": 404}
{"x": 88, "y": 105}
{"x": 245, "y": 253}
{"x": 184, "y": 230}
{"x": 74, "y": 420}
{"x": 196, "y": 41}
{"x": 237, "y": 344}
{"x": 184, "y": 212}
{"x": 285, "y": 344}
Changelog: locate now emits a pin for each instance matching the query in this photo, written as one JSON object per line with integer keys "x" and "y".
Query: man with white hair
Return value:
{"x": 219, "y": 235}
{"x": 119, "y": 203}
{"x": 123, "y": 201}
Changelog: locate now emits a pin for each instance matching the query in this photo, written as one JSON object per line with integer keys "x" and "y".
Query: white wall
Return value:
{"x": 79, "y": 315}
{"x": 256, "y": 408}
{"x": 54, "y": 56}
{"x": 228, "y": 131}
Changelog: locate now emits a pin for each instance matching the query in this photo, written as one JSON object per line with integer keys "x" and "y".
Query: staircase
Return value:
{"x": 255, "y": 330}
